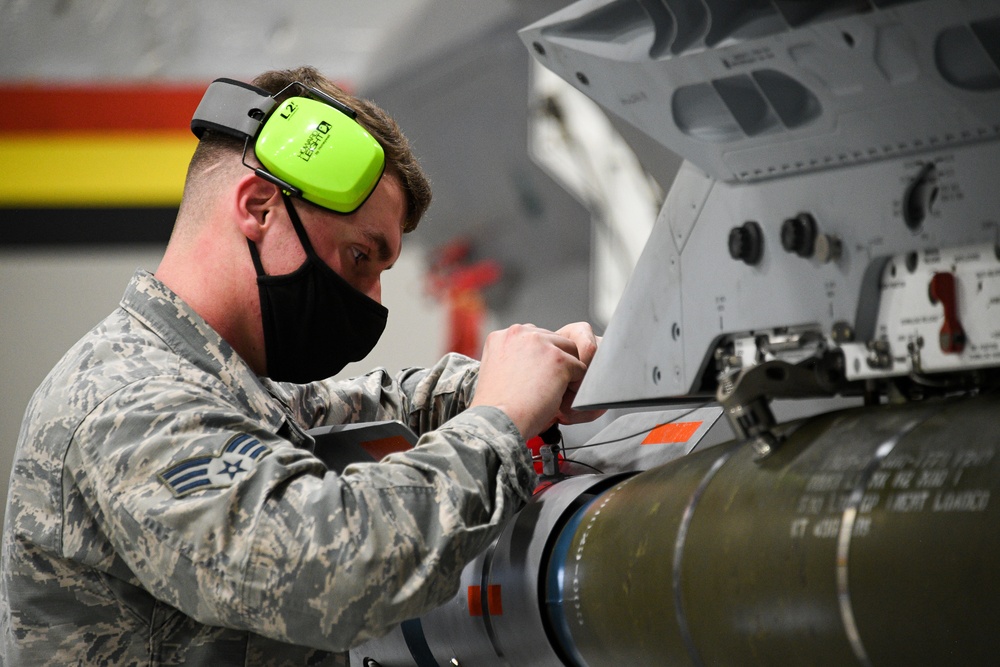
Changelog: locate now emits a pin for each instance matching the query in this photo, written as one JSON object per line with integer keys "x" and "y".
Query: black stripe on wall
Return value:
{"x": 85, "y": 226}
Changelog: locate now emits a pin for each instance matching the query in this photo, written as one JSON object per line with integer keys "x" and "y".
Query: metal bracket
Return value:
{"x": 745, "y": 395}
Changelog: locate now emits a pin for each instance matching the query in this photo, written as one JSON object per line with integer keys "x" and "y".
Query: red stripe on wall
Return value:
{"x": 67, "y": 107}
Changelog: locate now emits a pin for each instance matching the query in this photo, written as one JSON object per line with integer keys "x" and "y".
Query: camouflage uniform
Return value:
{"x": 166, "y": 508}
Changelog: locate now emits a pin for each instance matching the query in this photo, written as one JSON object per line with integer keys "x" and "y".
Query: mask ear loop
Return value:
{"x": 300, "y": 231}
{"x": 255, "y": 256}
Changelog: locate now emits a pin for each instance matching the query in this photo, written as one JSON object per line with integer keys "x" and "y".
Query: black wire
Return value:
{"x": 574, "y": 462}
{"x": 645, "y": 430}
{"x": 562, "y": 448}
{"x": 585, "y": 465}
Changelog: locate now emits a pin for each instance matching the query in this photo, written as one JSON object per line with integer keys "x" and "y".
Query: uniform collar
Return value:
{"x": 189, "y": 336}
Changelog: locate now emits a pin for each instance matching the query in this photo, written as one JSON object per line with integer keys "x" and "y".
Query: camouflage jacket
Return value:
{"x": 166, "y": 507}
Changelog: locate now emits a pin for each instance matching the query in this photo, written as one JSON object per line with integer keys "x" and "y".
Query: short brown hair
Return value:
{"x": 399, "y": 158}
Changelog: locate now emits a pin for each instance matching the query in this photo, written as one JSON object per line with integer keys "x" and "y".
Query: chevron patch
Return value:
{"x": 237, "y": 458}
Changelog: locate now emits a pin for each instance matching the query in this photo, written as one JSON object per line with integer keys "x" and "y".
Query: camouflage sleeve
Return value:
{"x": 422, "y": 398}
{"x": 216, "y": 515}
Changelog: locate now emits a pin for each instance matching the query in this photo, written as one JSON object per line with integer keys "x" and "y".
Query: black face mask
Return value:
{"x": 314, "y": 321}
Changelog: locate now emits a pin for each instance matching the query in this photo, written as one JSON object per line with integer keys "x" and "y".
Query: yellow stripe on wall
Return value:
{"x": 98, "y": 169}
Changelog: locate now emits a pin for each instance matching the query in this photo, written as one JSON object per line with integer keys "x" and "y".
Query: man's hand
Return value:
{"x": 532, "y": 374}
{"x": 586, "y": 344}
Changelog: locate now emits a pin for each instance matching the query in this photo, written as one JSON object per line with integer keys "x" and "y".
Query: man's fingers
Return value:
{"x": 583, "y": 338}
{"x": 565, "y": 344}
{"x": 567, "y": 415}
{"x": 531, "y": 373}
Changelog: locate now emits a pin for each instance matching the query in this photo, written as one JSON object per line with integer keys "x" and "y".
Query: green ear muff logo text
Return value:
{"x": 289, "y": 110}
{"x": 314, "y": 142}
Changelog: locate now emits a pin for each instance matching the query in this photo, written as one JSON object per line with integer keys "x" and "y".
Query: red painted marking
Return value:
{"x": 90, "y": 108}
{"x": 943, "y": 290}
{"x": 475, "y": 601}
{"x": 494, "y": 602}
{"x": 99, "y": 107}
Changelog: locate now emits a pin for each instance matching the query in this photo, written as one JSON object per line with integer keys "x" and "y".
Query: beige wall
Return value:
{"x": 51, "y": 297}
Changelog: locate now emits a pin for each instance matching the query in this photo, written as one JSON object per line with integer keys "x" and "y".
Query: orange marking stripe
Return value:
{"x": 381, "y": 448}
{"x": 672, "y": 432}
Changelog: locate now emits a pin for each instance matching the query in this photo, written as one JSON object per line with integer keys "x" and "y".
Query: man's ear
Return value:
{"x": 256, "y": 201}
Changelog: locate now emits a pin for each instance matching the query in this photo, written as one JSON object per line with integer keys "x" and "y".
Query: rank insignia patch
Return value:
{"x": 237, "y": 458}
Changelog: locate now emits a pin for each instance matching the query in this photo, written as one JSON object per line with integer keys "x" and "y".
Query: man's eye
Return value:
{"x": 358, "y": 255}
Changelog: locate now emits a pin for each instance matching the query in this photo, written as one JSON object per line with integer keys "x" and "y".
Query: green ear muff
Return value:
{"x": 311, "y": 147}
{"x": 334, "y": 161}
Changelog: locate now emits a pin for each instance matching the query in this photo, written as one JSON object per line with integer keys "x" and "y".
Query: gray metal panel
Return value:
{"x": 837, "y": 113}
{"x": 706, "y": 293}
{"x": 796, "y": 91}
{"x": 640, "y": 357}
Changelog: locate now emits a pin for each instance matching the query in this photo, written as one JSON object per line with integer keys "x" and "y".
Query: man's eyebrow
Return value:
{"x": 382, "y": 251}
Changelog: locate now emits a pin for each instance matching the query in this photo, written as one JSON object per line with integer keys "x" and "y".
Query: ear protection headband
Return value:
{"x": 311, "y": 146}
